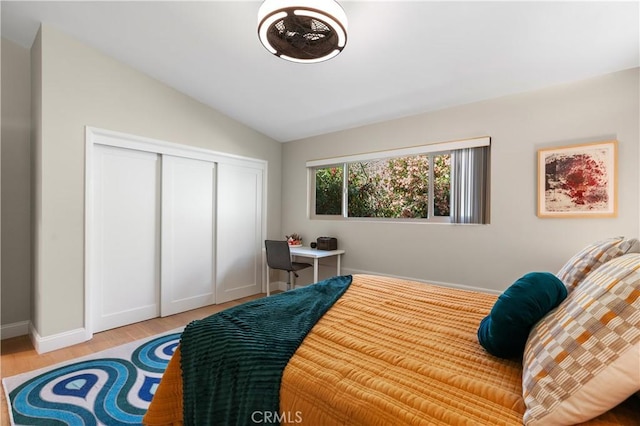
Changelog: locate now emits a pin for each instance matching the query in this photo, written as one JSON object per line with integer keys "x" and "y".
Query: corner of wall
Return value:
{"x": 15, "y": 329}
{"x": 36, "y": 170}
{"x": 57, "y": 341}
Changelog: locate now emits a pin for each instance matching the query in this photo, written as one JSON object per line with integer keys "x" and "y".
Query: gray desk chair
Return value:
{"x": 279, "y": 257}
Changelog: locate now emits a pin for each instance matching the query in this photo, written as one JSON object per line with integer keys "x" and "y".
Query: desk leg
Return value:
{"x": 315, "y": 270}
{"x": 268, "y": 283}
{"x": 338, "y": 257}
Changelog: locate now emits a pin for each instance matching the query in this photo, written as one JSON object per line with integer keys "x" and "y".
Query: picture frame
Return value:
{"x": 578, "y": 180}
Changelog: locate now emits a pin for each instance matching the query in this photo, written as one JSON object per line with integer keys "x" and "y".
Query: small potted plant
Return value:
{"x": 294, "y": 240}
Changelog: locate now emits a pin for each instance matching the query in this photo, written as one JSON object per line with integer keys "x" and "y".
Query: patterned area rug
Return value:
{"x": 112, "y": 387}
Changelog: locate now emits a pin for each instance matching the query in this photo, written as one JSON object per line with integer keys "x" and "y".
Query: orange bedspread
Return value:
{"x": 393, "y": 352}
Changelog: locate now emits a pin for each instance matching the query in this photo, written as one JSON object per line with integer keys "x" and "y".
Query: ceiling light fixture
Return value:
{"x": 304, "y": 31}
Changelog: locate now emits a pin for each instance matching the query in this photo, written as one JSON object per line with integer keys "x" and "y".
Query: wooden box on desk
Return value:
{"x": 327, "y": 243}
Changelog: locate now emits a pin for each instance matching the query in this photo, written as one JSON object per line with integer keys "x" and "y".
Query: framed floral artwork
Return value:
{"x": 578, "y": 180}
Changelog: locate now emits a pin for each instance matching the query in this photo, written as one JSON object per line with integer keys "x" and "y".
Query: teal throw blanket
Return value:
{"x": 232, "y": 362}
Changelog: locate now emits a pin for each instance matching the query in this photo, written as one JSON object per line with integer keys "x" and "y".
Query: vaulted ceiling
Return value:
{"x": 401, "y": 58}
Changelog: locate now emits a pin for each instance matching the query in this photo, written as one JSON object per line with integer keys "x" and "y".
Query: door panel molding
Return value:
{"x": 126, "y": 210}
{"x": 239, "y": 232}
{"x": 188, "y": 234}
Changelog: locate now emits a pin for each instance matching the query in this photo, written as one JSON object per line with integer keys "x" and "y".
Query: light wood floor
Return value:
{"x": 17, "y": 354}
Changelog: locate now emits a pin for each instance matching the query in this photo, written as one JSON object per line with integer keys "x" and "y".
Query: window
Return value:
{"x": 328, "y": 188}
{"x": 433, "y": 183}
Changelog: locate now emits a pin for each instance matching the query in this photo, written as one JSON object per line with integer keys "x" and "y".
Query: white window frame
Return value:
{"x": 432, "y": 150}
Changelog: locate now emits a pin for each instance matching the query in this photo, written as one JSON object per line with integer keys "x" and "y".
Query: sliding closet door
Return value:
{"x": 239, "y": 232}
{"x": 126, "y": 229}
{"x": 188, "y": 221}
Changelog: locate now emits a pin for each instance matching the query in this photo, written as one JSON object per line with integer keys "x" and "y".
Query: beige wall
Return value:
{"x": 82, "y": 87}
{"x": 16, "y": 181}
{"x": 517, "y": 241}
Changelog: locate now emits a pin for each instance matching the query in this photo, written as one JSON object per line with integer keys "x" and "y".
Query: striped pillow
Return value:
{"x": 592, "y": 256}
{"x": 582, "y": 359}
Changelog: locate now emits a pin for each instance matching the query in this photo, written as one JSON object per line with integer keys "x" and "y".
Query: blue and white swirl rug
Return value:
{"x": 112, "y": 387}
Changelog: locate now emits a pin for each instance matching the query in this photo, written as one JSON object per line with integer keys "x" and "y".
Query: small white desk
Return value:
{"x": 314, "y": 254}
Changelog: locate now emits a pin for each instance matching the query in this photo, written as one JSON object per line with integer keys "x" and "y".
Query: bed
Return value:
{"x": 391, "y": 352}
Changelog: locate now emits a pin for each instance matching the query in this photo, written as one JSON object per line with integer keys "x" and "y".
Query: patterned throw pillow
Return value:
{"x": 582, "y": 359}
{"x": 592, "y": 256}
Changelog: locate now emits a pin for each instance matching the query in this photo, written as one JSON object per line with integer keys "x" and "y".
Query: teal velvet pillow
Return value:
{"x": 505, "y": 330}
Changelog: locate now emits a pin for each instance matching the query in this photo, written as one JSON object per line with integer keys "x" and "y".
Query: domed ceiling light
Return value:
{"x": 304, "y": 31}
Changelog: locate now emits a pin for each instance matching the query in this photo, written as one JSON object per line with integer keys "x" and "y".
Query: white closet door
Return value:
{"x": 187, "y": 234}
{"x": 239, "y": 232}
{"x": 125, "y": 225}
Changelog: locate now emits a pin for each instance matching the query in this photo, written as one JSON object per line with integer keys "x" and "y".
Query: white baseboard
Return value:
{"x": 15, "y": 329}
{"x": 57, "y": 341}
{"x": 348, "y": 271}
